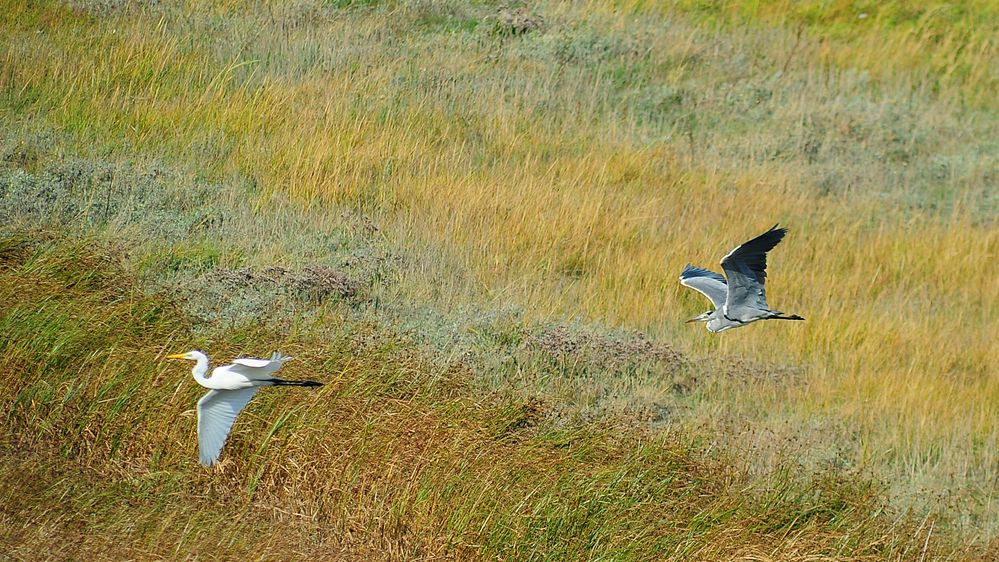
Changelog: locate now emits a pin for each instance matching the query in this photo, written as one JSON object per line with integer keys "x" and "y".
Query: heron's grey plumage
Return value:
{"x": 708, "y": 283}
{"x": 740, "y": 297}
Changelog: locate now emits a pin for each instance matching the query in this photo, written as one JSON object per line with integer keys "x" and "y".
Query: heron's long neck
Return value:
{"x": 200, "y": 370}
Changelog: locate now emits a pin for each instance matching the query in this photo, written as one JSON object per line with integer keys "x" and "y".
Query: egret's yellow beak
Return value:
{"x": 177, "y": 356}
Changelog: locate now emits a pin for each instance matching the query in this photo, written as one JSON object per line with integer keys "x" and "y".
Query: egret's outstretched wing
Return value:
{"x": 256, "y": 369}
{"x": 251, "y": 362}
{"x": 216, "y": 412}
{"x": 706, "y": 282}
{"x": 746, "y": 269}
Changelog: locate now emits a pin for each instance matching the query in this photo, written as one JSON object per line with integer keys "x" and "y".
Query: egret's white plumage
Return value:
{"x": 217, "y": 410}
{"x": 232, "y": 387}
{"x": 740, "y": 296}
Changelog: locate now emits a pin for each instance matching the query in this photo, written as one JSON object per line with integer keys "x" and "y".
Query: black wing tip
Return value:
{"x": 777, "y": 229}
{"x": 769, "y": 238}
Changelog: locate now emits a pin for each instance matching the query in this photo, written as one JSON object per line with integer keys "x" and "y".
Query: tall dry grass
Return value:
{"x": 574, "y": 169}
{"x": 394, "y": 459}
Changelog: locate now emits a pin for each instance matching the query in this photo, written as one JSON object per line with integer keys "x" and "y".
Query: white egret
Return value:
{"x": 741, "y": 299}
{"x": 232, "y": 387}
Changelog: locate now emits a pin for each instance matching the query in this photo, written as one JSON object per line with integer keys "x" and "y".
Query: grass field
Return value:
{"x": 468, "y": 219}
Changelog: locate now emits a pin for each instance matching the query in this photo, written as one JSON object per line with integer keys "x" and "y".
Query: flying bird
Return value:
{"x": 741, "y": 299}
{"x": 232, "y": 387}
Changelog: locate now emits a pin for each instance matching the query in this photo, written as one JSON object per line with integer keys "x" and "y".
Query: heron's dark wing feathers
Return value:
{"x": 706, "y": 282}
{"x": 750, "y": 258}
{"x": 746, "y": 269}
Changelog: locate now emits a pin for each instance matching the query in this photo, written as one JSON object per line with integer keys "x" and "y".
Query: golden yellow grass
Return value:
{"x": 951, "y": 42}
{"x": 391, "y": 460}
{"x": 575, "y": 212}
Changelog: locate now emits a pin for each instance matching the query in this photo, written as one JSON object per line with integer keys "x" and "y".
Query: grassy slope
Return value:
{"x": 393, "y": 458}
{"x": 570, "y": 192}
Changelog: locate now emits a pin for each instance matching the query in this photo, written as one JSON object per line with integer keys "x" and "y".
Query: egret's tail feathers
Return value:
{"x": 282, "y": 382}
{"x": 780, "y": 316}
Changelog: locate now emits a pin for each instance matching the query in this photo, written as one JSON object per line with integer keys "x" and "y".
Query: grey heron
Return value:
{"x": 741, "y": 299}
{"x": 232, "y": 387}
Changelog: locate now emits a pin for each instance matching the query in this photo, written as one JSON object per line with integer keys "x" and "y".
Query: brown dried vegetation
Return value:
{"x": 393, "y": 459}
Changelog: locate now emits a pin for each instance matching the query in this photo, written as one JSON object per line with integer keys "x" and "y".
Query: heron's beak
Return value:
{"x": 700, "y": 317}
{"x": 177, "y": 356}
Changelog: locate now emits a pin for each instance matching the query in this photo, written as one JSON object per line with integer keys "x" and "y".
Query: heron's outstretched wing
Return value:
{"x": 706, "y": 282}
{"x": 746, "y": 270}
{"x": 216, "y": 412}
